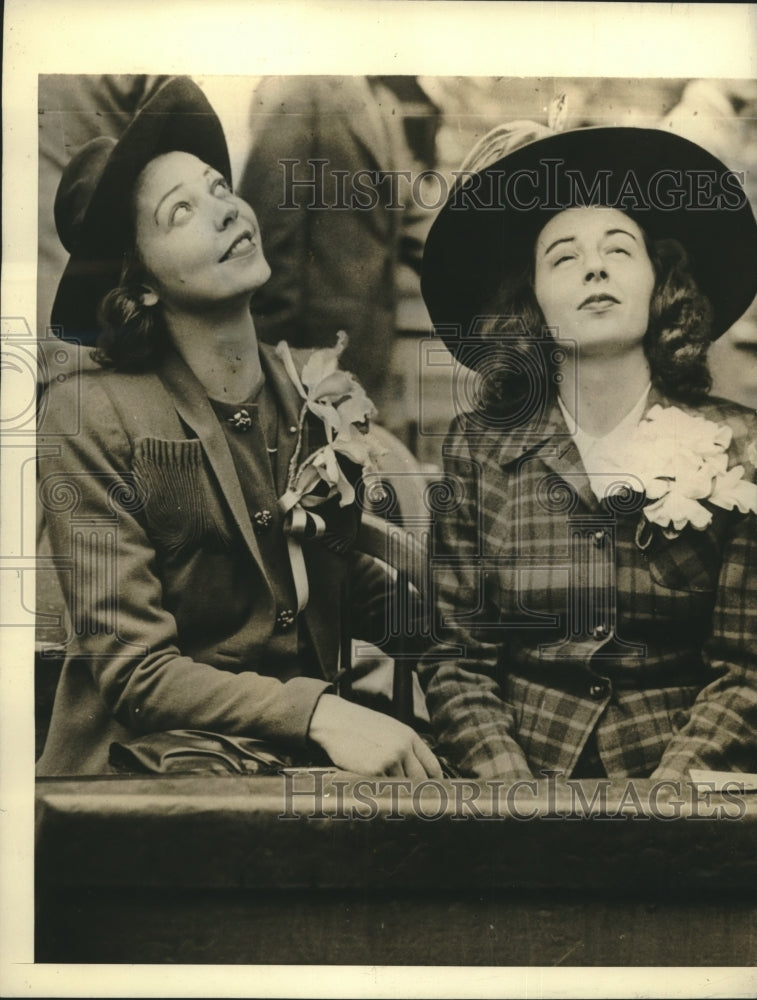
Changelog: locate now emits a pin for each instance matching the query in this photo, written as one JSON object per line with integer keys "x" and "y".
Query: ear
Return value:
{"x": 149, "y": 296}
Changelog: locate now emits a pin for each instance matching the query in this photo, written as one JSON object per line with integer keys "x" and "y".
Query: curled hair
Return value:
{"x": 133, "y": 337}
{"x": 676, "y": 342}
{"x": 680, "y": 326}
{"x": 516, "y": 330}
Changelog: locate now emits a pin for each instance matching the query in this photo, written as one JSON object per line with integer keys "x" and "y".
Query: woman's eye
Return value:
{"x": 619, "y": 250}
{"x": 179, "y": 212}
{"x": 560, "y": 260}
{"x": 220, "y": 184}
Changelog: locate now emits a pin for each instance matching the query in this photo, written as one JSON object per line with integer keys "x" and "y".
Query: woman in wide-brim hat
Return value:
{"x": 202, "y": 510}
{"x": 597, "y": 569}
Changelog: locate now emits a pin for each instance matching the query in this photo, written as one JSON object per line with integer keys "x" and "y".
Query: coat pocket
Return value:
{"x": 689, "y": 563}
{"x": 181, "y": 505}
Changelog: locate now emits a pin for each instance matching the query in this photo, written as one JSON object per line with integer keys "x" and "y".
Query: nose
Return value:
{"x": 226, "y": 212}
{"x": 595, "y": 269}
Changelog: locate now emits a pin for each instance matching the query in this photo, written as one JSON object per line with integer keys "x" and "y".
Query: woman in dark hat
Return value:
{"x": 597, "y": 567}
{"x": 202, "y": 510}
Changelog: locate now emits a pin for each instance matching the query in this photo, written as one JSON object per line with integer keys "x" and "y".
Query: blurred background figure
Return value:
{"x": 344, "y": 234}
{"x": 720, "y": 115}
{"x": 712, "y": 114}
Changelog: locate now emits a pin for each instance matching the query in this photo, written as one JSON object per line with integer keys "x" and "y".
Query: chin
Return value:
{"x": 265, "y": 274}
{"x": 260, "y": 273}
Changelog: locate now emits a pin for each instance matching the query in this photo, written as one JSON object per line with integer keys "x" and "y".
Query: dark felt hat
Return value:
{"x": 93, "y": 205}
{"x": 521, "y": 175}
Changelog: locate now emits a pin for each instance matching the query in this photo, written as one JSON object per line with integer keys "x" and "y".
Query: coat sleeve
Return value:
{"x": 721, "y": 731}
{"x": 372, "y": 586}
{"x": 111, "y": 583}
{"x": 473, "y": 723}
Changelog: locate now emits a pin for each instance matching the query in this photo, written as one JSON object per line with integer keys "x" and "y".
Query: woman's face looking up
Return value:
{"x": 594, "y": 279}
{"x": 199, "y": 242}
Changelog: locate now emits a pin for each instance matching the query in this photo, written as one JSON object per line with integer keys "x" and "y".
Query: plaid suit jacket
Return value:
{"x": 559, "y": 615}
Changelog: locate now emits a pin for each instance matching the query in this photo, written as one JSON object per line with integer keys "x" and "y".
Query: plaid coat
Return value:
{"x": 559, "y": 615}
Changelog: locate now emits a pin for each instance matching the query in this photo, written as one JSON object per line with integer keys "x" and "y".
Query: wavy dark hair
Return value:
{"x": 676, "y": 342}
{"x": 133, "y": 337}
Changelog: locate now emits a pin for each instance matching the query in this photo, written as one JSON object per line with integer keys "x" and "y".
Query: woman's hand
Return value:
{"x": 367, "y": 742}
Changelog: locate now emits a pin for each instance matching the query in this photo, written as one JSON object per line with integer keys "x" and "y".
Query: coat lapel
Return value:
{"x": 549, "y": 438}
{"x": 290, "y": 402}
{"x": 193, "y": 406}
{"x": 320, "y": 565}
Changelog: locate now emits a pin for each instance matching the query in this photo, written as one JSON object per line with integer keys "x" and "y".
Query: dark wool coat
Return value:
{"x": 176, "y": 616}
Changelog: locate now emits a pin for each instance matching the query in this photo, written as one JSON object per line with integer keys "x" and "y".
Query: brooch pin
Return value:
{"x": 240, "y": 421}
{"x": 262, "y": 521}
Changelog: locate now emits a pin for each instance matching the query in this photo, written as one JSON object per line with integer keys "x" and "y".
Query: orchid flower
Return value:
{"x": 339, "y": 401}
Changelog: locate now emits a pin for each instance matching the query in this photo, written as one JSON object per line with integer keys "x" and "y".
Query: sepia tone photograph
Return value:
{"x": 384, "y": 535}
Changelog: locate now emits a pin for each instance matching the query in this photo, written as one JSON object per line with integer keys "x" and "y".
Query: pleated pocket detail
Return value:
{"x": 181, "y": 503}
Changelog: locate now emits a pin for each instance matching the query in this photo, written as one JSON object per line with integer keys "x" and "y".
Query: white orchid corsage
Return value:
{"x": 341, "y": 404}
{"x": 681, "y": 461}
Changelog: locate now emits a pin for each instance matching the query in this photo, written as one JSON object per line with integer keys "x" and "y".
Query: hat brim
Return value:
{"x": 178, "y": 117}
{"x": 478, "y": 239}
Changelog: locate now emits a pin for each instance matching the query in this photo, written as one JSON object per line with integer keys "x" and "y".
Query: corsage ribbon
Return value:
{"x": 337, "y": 399}
{"x": 299, "y": 524}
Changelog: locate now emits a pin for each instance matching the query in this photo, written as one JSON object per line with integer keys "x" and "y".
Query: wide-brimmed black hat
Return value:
{"x": 672, "y": 187}
{"x": 93, "y": 205}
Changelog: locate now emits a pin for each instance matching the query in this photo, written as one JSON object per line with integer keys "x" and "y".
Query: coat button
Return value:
{"x": 600, "y": 632}
{"x": 241, "y": 421}
{"x": 597, "y": 691}
{"x": 293, "y": 428}
{"x": 284, "y": 620}
{"x": 261, "y": 521}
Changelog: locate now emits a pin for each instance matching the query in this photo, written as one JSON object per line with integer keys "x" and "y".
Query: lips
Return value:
{"x": 597, "y": 303}
{"x": 242, "y": 246}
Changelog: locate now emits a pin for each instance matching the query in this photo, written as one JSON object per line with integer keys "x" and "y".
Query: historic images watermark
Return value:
{"x": 552, "y": 186}
{"x": 317, "y": 794}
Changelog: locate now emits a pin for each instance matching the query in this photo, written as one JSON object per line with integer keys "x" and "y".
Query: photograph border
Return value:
{"x": 235, "y": 37}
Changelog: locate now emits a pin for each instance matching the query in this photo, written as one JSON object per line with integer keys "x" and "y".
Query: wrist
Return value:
{"x": 322, "y": 718}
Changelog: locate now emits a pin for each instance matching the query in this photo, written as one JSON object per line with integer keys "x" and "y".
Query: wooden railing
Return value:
{"x": 322, "y": 867}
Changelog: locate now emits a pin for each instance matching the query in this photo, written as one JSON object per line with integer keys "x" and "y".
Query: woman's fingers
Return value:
{"x": 367, "y": 742}
{"x": 417, "y": 763}
{"x": 415, "y": 770}
{"x": 431, "y": 766}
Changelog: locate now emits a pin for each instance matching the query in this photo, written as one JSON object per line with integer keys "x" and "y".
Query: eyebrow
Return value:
{"x": 206, "y": 172}
{"x": 614, "y": 232}
{"x": 564, "y": 239}
{"x": 570, "y": 239}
